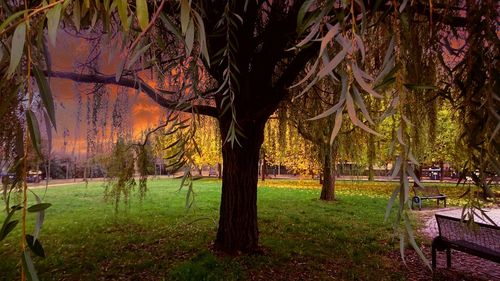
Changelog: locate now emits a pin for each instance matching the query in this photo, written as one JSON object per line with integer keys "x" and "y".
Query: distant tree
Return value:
{"x": 208, "y": 141}
{"x": 319, "y": 132}
{"x": 283, "y": 145}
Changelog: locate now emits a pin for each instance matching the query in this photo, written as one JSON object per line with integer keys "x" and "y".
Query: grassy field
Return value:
{"x": 158, "y": 239}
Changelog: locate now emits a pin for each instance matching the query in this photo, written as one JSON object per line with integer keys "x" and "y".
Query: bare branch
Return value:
{"x": 138, "y": 84}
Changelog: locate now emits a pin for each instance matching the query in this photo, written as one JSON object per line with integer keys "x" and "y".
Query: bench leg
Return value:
{"x": 445, "y": 202}
{"x": 448, "y": 257}
{"x": 433, "y": 257}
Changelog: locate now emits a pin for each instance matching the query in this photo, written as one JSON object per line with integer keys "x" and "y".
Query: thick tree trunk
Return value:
{"x": 238, "y": 231}
{"x": 371, "y": 157}
{"x": 328, "y": 187}
{"x": 263, "y": 172}
{"x": 441, "y": 174}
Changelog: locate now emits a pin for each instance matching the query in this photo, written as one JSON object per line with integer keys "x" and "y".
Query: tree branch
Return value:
{"x": 138, "y": 84}
{"x": 307, "y": 135}
{"x": 296, "y": 66}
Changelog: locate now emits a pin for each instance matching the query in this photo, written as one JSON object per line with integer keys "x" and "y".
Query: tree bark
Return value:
{"x": 441, "y": 174}
{"x": 371, "y": 157}
{"x": 328, "y": 187}
{"x": 238, "y": 231}
{"x": 263, "y": 167}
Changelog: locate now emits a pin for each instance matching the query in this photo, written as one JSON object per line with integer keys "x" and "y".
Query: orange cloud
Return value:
{"x": 71, "y": 98}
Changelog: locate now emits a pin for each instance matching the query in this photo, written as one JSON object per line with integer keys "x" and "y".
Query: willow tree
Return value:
{"x": 234, "y": 61}
{"x": 476, "y": 81}
{"x": 319, "y": 132}
{"x": 284, "y": 146}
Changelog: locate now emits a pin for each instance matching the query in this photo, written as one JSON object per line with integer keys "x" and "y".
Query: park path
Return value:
{"x": 61, "y": 182}
{"x": 462, "y": 263}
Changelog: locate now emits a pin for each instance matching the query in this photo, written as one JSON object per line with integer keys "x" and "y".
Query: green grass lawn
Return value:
{"x": 158, "y": 239}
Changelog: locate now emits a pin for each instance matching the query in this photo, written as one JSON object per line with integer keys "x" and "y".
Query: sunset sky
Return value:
{"x": 70, "y": 116}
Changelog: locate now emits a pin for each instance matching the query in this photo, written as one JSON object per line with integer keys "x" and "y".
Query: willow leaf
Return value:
{"x": 407, "y": 121}
{"x": 308, "y": 87}
{"x": 391, "y": 202}
{"x": 337, "y": 125}
{"x": 45, "y": 94}
{"x": 402, "y": 247}
{"x": 389, "y": 53}
{"x": 34, "y": 131}
{"x": 328, "y": 112}
{"x": 185, "y": 11}
{"x": 328, "y": 38}
{"x": 358, "y": 76}
{"x": 309, "y": 37}
{"x": 202, "y": 37}
{"x": 412, "y": 174}
{"x": 142, "y": 13}
{"x": 29, "y": 267}
{"x": 406, "y": 185}
{"x": 350, "y": 108}
{"x": 7, "y": 227}
{"x": 76, "y": 15}
{"x": 189, "y": 37}
{"x": 138, "y": 54}
{"x": 39, "y": 207}
{"x": 48, "y": 130}
{"x": 361, "y": 46}
{"x": 396, "y": 169}
{"x": 495, "y": 132}
{"x": 385, "y": 76}
{"x": 311, "y": 71}
{"x": 361, "y": 105}
{"x": 53, "y": 18}
{"x": 185, "y": 177}
{"x": 332, "y": 64}
{"x": 35, "y": 246}
{"x": 352, "y": 114}
{"x": 412, "y": 158}
{"x": 40, "y": 216}
{"x": 400, "y": 135}
{"x": 345, "y": 43}
{"x": 122, "y": 6}
{"x": 10, "y": 19}
{"x": 16, "y": 52}
{"x": 413, "y": 243}
{"x": 302, "y": 13}
{"x": 403, "y": 6}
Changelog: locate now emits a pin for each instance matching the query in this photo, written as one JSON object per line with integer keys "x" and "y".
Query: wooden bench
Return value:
{"x": 427, "y": 192}
{"x": 482, "y": 240}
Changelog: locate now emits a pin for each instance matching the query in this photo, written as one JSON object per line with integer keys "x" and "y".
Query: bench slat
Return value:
{"x": 482, "y": 240}
{"x": 475, "y": 249}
